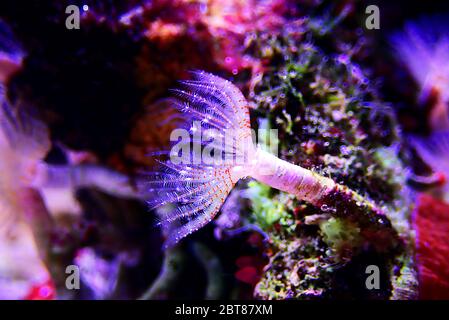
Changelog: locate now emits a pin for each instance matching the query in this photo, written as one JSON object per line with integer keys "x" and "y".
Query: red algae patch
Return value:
{"x": 432, "y": 225}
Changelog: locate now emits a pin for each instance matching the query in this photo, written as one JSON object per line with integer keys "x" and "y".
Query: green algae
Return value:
{"x": 332, "y": 121}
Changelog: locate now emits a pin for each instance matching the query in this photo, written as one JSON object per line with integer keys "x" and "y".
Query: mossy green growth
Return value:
{"x": 341, "y": 236}
{"x": 331, "y": 120}
{"x": 267, "y": 213}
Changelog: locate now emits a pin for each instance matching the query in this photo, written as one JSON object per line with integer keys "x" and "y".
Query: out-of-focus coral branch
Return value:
{"x": 56, "y": 254}
{"x": 169, "y": 275}
{"x": 211, "y": 263}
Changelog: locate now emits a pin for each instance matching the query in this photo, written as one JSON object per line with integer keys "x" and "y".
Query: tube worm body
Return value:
{"x": 49, "y": 176}
{"x": 280, "y": 174}
{"x": 197, "y": 188}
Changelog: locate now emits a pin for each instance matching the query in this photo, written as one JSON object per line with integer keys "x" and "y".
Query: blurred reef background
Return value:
{"x": 343, "y": 106}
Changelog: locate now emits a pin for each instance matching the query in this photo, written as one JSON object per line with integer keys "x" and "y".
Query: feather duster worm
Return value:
{"x": 23, "y": 142}
{"x": 434, "y": 150}
{"x": 197, "y": 187}
{"x": 424, "y": 49}
{"x": 11, "y": 55}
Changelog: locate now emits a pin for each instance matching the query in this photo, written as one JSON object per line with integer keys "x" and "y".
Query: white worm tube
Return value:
{"x": 72, "y": 176}
{"x": 277, "y": 173}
